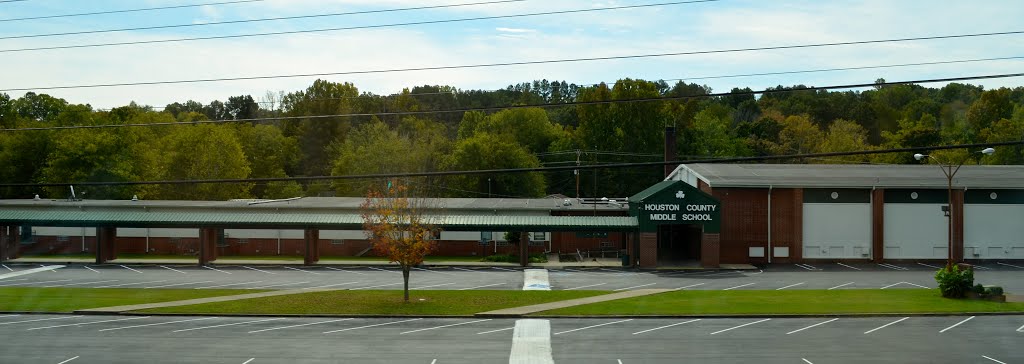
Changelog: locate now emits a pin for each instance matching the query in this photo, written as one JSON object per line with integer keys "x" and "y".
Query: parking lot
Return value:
{"x": 253, "y": 340}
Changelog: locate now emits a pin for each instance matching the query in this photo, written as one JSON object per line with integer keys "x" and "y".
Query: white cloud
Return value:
{"x": 515, "y": 30}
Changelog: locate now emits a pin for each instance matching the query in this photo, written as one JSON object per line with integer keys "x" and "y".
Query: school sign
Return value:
{"x": 675, "y": 202}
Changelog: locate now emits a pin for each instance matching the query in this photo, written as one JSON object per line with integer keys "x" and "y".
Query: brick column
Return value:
{"x": 312, "y": 237}
{"x": 877, "y": 225}
{"x": 958, "y": 225}
{"x": 648, "y": 244}
{"x": 208, "y": 245}
{"x": 710, "y": 246}
{"x": 105, "y": 237}
{"x": 524, "y": 249}
{"x": 7, "y": 250}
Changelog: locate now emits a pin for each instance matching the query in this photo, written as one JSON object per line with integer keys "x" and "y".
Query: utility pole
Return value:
{"x": 577, "y": 173}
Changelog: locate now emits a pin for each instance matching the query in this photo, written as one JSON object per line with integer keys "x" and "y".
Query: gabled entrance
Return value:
{"x": 679, "y": 225}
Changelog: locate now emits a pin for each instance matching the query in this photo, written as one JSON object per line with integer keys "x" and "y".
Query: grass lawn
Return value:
{"x": 59, "y": 299}
{"x": 788, "y": 302}
{"x": 382, "y": 302}
{"x": 381, "y": 259}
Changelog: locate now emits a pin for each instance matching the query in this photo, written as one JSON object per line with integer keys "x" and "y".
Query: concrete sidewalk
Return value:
{"x": 526, "y": 310}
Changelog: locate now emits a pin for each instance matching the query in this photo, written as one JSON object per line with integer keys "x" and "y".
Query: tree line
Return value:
{"x": 332, "y": 128}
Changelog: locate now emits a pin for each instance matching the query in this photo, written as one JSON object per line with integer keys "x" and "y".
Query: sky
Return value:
{"x": 672, "y": 27}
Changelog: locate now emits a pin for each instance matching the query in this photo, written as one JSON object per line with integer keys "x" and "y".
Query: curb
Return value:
{"x": 843, "y": 315}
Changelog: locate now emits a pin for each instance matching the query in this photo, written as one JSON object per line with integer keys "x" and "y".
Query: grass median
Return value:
{"x": 60, "y": 299}
{"x": 810, "y": 302}
{"x": 380, "y": 303}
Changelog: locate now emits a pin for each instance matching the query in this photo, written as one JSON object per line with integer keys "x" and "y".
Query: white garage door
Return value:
{"x": 994, "y": 224}
{"x": 837, "y": 224}
{"x": 915, "y": 226}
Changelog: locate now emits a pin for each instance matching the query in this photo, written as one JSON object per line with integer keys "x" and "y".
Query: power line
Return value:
{"x": 255, "y": 20}
{"x": 427, "y": 22}
{"x": 522, "y": 63}
{"x": 523, "y": 170}
{"x": 124, "y": 11}
{"x": 10, "y": 1}
{"x": 573, "y": 103}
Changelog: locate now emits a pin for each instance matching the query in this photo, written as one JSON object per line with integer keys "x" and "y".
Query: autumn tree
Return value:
{"x": 398, "y": 227}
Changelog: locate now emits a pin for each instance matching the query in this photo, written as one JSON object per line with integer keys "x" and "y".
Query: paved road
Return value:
{"x": 69, "y": 339}
{"x": 787, "y": 277}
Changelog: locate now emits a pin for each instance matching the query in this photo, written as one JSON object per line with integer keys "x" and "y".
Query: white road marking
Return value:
{"x": 42, "y": 319}
{"x": 992, "y": 359}
{"x": 666, "y": 326}
{"x": 156, "y": 324}
{"x": 587, "y": 286}
{"x": 71, "y": 284}
{"x": 593, "y": 326}
{"x": 841, "y": 285}
{"x": 129, "y": 284}
{"x": 470, "y": 270}
{"x": 504, "y": 269}
{"x": 258, "y": 270}
{"x": 806, "y": 361}
{"x": 443, "y": 326}
{"x": 980, "y": 267}
{"x": 616, "y": 271}
{"x": 817, "y": 324}
{"x": 279, "y": 284}
{"x": 488, "y": 332}
{"x": 486, "y": 285}
{"x": 893, "y": 267}
{"x": 42, "y": 268}
{"x": 341, "y": 270}
{"x": 14, "y": 280}
{"x": 805, "y": 266}
{"x": 374, "y": 325}
{"x": 177, "y": 284}
{"x": 531, "y": 342}
{"x": 87, "y": 267}
{"x": 849, "y": 266}
{"x": 1020, "y": 329}
{"x": 14, "y": 315}
{"x": 215, "y": 269}
{"x": 956, "y": 324}
{"x": 331, "y": 285}
{"x": 300, "y": 270}
{"x": 739, "y": 286}
{"x": 1010, "y": 265}
{"x": 894, "y": 284}
{"x": 247, "y": 361}
{"x": 692, "y": 285}
{"x": 299, "y": 325}
{"x": 915, "y": 285}
{"x": 6, "y": 267}
{"x": 227, "y": 285}
{"x": 379, "y": 285}
{"x": 433, "y": 271}
{"x": 536, "y": 280}
{"x": 642, "y": 285}
{"x": 68, "y": 360}
{"x": 86, "y": 323}
{"x": 231, "y": 324}
{"x": 620, "y": 361}
{"x": 126, "y": 267}
{"x": 928, "y": 265}
{"x": 884, "y": 326}
{"x": 792, "y": 285}
{"x": 43, "y": 282}
{"x": 172, "y": 269}
{"x": 433, "y": 285}
{"x": 433, "y": 361}
{"x": 385, "y": 270}
{"x": 736, "y": 327}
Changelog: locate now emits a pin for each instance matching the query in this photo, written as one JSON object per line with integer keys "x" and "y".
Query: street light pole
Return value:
{"x": 950, "y": 172}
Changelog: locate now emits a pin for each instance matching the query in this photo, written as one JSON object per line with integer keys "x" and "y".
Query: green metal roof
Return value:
{"x": 243, "y": 219}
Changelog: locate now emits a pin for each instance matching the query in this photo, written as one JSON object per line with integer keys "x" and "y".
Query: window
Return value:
{"x": 243, "y": 241}
{"x": 337, "y": 241}
{"x": 63, "y": 239}
{"x": 540, "y": 236}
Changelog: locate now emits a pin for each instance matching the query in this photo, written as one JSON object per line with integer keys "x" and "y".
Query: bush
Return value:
{"x": 995, "y": 291}
{"x": 504, "y": 258}
{"x": 979, "y": 289}
{"x": 954, "y": 282}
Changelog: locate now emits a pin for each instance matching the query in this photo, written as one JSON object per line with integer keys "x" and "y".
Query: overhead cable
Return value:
{"x": 124, "y": 10}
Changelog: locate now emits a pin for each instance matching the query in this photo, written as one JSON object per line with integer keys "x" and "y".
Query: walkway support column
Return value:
{"x": 958, "y": 225}
{"x": 7, "y": 249}
{"x": 208, "y": 245}
{"x": 312, "y": 238}
{"x": 105, "y": 237}
{"x": 648, "y": 245}
{"x": 877, "y": 225}
{"x": 710, "y": 250}
{"x": 524, "y": 249}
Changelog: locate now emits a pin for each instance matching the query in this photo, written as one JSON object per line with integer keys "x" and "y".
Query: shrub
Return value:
{"x": 978, "y": 288}
{"x": 954, "y": 282}
{"x": 505, "y": 258}
{"x": 995, "y": 291}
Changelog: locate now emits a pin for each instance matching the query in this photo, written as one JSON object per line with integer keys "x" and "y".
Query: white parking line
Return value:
{"x": 692, "y": 285}
{"x": 6, "y": 267}
{"x": 433, "y": 285}
{"x": 929, "y": 265}
{"x": 992, "y": 359}
{"x": 156, "y": 324}
{"x": 817, "y": 324}
{"x": 1010, "y": 265}
{"x": 1020, "y": 329}
{"x": 177, "y": 284}
{"x": 488, "y": 332}
{"x": 379, "y": 285}
{"x": 227, "y": 285}
{"x": 469, "y": 270}
{"x": 883, "y": 326}
{"x": 433, "y": 271}
{"x": 87, "y": 267}
{"x": 215, "y": 269}
{"x": 43, "y": 282}
{"x": 587, "y": 286}
{"x": 299, "y": 325}
{"x": 331, "y": 285}
{"x": 14, "y": 280}
{"x": 374, "y": 325}
{"x": 736, "y": 327}
{"x": 841, "y": 285}
{"x": 956, "y": 324}
{"x": 616, "y": 271}
{"x": 247, "y": 361}
{"x": 894, "y": 284}
{"x": 258, "y": 270}
{"x": 433, "y": 361}
{"x": 792, "y": 285}
{"x": 279, "y": 284}
{"x": 593, "y": 326}
{"x": 231, "y": 324}
{"x": 341, "y": 270}
{"x": 486, "y": 285}
{"x": 171, "y": 269}
{"x": 385, "y": 270}
{"x": 980, "y": 267}
{"x": 300, "y": 270}
{"x": 129, "y": 284}
{"x": 915, "y": 285}
{"x": 666, "y": 326}
{"x": 76, "y": 357}
{"x": 805, "y": 266}
{"x": 14, "y": 315}
{"x": 504, "y": 269}
{"x": 849, "y": 266}
{"x": 642, "y": 285}
{"x": 126, "y": 267}
{"x": 443, "y": 326}
{"x": 806, "y": 361}
{"x": 86, "y": 323}
{"x": 890, "y": 266}
{"x": 739, "y": 286}
{"x": 42, "y": 319}
{"x": 71, "y": 284}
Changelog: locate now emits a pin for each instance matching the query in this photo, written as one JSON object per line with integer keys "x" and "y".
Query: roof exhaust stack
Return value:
{"x": 670, "y": 149}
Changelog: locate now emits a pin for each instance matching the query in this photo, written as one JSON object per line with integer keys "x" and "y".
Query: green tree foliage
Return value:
{"x": 800, "y": 136}
{"x": 203, "y": 152}
{"x": 845, "y": 136}
{"x": 314, "y": 132}
{"x": 375, "y": 148}
{"x": 992, "y": 106}
{"x": 490, "y": 151}
{"x": 270, "y": 154}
